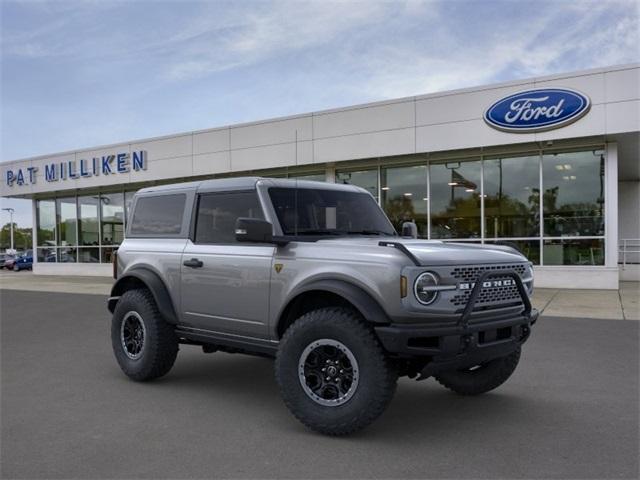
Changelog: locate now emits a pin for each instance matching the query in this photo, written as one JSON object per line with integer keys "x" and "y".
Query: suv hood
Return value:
{"x": 435, "y": 252}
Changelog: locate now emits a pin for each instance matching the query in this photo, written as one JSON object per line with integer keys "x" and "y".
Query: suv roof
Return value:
{"x": 244, "y": 183}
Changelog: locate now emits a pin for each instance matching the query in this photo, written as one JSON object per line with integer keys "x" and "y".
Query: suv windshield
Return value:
{"x": 310, "y": 211}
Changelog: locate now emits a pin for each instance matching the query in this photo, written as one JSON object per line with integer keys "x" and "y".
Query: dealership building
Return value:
{"x": 550, "y": 165}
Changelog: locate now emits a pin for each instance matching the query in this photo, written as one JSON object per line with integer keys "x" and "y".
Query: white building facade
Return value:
{"x": 550, "y": 165}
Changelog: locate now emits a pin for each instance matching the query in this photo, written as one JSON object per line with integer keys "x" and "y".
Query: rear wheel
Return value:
{"x": 332, "y": 373}
{"x": 145, "y": 345}
{"x": 480, "y": 378}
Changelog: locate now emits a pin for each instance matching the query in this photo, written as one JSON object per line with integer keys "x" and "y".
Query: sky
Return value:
{"x": 78, "y": 74}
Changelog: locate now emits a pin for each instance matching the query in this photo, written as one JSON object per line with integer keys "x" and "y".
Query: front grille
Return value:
{"x": 488, "y": 296}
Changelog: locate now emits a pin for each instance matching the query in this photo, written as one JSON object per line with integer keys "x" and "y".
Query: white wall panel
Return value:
{"x": 469, "y": 134}
{"x": 592, "y": 85}
{"x": 592, "y": 123}
{"x": 367, "y": 119}
{"x": 367, "y": 145}
{"x": 623, "y": 117}
{"x": 270, "y": 156}
{"x": 271, "y": 133}
{"x": 212, "y": 141}
{"x": 166, "y": 147}
{"x": 454, "y": 108}
{"x": 210, "y": 163}
{"x": 176, "y": 167}
{"x": 622, "y": 85}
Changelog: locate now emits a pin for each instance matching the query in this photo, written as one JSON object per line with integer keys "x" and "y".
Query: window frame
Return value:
{"x": 184, "y": 226}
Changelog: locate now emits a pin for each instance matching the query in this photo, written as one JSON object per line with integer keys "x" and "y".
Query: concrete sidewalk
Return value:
{"x": 623, "y": 304}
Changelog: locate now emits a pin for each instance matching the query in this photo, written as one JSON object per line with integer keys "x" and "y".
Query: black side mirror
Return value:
{"x": 409, "y": 229}
{"x": 254, "y": 230}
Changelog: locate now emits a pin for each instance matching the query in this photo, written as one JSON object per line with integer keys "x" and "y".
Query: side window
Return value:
{"x": 158, "y": 215}
{"x": 218, "y": 212}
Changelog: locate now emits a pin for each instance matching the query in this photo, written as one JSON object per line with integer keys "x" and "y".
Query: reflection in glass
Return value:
{"x": 574, "y": 252}
{"x": 112, "y": 218}
{"x": 88, "y": 224}
{"x": 66, "y": 255}
{"x": 47, "y": 254}
{"x": 367, "y": 179}
{"x": 128, "y": 203}
{"x": 315, "y": 177}
{"x": 455, "y": 200}
{"x": 512, "y": 197}
{"x": 107, "y": 254}
{"x": 89, "y": 255}
{"x": 529, "y": 248}
{"x": 67, "y": 213}
{"x": 573, "y": 199}
{"x": 46, "y": 222}
{"x": 404, "y": 196}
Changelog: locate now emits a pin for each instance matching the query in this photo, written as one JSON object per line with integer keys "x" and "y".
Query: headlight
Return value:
{"x": 426, "y": 288}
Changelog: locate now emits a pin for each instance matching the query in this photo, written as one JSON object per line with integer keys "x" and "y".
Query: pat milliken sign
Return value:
{"x": 105, "y": 165}
{"x": 537, "y": 110}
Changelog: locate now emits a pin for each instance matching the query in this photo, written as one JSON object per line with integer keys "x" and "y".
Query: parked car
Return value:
{"x": 3, "y": 258}
{"x": 315, "y": 275}
{"x": 9, "y": 261}
{"x": 23, "y": 262}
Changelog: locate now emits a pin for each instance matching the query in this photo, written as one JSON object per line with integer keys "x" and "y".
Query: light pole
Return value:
{"x": 10, "y": 210}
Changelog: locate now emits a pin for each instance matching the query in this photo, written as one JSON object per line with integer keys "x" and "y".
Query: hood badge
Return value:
{"x": 278, "y": 267}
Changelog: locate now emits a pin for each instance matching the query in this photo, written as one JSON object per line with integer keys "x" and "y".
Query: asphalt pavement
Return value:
{"x": 570, "y": 410}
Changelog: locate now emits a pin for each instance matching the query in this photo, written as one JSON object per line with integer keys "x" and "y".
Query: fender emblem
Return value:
{"x": 278, "y": 267}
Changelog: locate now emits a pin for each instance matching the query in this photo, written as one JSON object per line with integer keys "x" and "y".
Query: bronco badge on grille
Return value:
{"x": 488, "y": 284}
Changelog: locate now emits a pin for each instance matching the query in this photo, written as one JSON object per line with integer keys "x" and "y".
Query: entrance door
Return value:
{"x": 225, "y": 284}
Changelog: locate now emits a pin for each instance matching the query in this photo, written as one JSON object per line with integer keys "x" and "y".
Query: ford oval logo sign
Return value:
{"x": 537, "y": 110}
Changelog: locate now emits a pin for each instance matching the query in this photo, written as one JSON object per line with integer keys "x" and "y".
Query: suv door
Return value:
{"x": 225, "y": 284}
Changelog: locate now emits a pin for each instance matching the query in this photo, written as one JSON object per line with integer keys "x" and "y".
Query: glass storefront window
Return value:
{"x": 315, "y": 177}
{"x": 112, "y": 218}
{"x": 405, "y": 197}
{"x": 529, "y": 248}
{"x": 455, "y": 200}
{"x": 512, "y": 197}
{"x": 574, "y": 251}
{"x": 88, "y": 221}
{"x": 67, "y": 221}
{"x": 573, "y": 198}
{"x": 67, "y": 255}
{"x": 47, "y": 254}
{"x": 46, "y": 222}
{"x": 367, "y": 179}
{"x": 88, "y": 255}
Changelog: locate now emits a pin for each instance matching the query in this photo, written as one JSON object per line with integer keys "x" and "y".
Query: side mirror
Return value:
{"x": 253, "y": 230}
{"x": 409, "y": 229}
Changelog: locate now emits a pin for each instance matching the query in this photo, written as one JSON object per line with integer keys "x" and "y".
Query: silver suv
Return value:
{"x": 315, "y": 275}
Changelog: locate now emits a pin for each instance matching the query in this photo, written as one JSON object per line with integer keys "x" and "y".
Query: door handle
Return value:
{"x": 193, "y": 263}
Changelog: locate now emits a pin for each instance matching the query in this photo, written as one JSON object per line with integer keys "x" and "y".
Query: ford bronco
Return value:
{"x": 315, "y": 275}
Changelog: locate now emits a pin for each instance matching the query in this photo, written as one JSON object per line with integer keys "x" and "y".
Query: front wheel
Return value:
{"x": 16, "y": 268}
{"x": 144, "y": 345}
{"x": 332, "y": 373}
{"x": 480, "y": 378}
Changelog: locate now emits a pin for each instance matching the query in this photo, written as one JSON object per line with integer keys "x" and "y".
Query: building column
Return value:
{"x": 330, "y": 173}
{"x": 611, "y": 205}
{"x": 34, "y": 233}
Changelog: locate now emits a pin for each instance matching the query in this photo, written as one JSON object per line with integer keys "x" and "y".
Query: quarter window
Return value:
{"x": 218, "y": 212}
{"x": 159, "y": 215}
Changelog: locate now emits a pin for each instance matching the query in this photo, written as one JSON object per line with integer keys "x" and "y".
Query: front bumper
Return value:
{"x": 465, "y": 343}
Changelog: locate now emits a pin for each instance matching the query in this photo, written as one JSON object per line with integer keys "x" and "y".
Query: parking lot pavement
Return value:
{"x": 570, "y": 410}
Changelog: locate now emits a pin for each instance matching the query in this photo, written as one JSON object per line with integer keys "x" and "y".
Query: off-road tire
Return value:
{"x": 482, "y": 379}
{"x": 160, "y": 346}
{"x": 377, "y": 376}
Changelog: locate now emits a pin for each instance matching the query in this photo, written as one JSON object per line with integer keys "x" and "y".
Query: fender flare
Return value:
{"x": 154, "y": 284}
{"x": 358, "y": 297}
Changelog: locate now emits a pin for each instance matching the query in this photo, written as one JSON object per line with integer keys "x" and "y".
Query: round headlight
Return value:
{"x": 424, "y": 289}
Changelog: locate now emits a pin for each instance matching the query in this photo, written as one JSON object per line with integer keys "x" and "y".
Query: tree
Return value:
{"x": 22, "y": 237}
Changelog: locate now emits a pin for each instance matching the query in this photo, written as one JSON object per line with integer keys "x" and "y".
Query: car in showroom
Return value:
{"x": 314, "y": 275}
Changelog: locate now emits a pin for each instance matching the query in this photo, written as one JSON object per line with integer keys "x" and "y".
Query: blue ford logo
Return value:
{"x": 536, "y": 110}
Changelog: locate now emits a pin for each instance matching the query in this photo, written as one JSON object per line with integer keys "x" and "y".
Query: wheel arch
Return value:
{"x": 145, "y": 278}
{"x": 323, "y": 293}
